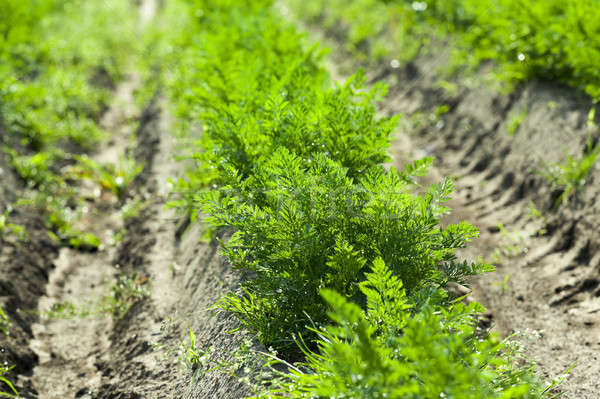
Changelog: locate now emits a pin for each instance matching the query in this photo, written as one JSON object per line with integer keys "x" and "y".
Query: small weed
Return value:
{"x": 515, "y": 121}
{"x": 3, "y": 370}
{"x": 60, "y": 218}
{"x": 450, "y": 88}
{"x": 116, "y": 237}
{"x": 4, "y": 323}
{"x": 174, "y": 268}
{"x": 535, "y": 215}
{"x": 127, "y": 291}
{"x": 592, "y": 120}
{"x": 190, "y": 356}
{"x": 11, "y": 228}
{"x": 570, "y": 177}
{"x": 512, "y": 243}
{"x": 65, "y": 310}
{"x": 503, "y": 285}
{"x": 114, "y": 178}
{"x": 424, "y": 120}
{"x": 241, "y": 363}
{"x": 441, "y": 110}
{"x": 60, "y": 222}
{"x": 132, "y": 209}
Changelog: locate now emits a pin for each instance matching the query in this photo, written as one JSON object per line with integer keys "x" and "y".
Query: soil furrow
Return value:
{"x": 72, "y": 334}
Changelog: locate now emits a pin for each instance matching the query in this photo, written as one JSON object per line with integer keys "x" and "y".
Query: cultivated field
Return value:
{"x": 299, "y": 199}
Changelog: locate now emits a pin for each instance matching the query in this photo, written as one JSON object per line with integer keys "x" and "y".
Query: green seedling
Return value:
{"x": 536, "y": 215}
{"x": 60, "y": 221}
{"x": 242, "y": 363}
{"x": 174, "y": 268}
{"x": 11, "y": 228}
{"x": 190, "y": 356}
{"x": 451, "y": 88}
{"x": 591, "y": 120}
{"x": 4, "y": 323}
{"x": 132, "y": 209}
{"x": 511, "y": 243}
{"x": 202, "y": 362}
{"x": 570, "y": 177}
{"x": 123, "y": 294}
{"x": 420, "y": 120}
{"x": 66, "y": 310}
{"x": 515, "y": 121}
{"x": 15, "y": 394}
{"x": 126, "y": 292}
{"x": 503, "y": 285}
{"x": 114, "y": 178}
{"x": 441, "y": 110}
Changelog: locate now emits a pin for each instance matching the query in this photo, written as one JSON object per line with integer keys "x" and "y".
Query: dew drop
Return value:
{"x": 419, "y": 6}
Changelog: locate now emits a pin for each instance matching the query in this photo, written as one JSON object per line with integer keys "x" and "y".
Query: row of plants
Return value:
{"x": 59, "y": 63}
{"x": 346, "y": 261}
{"x": 552, "y": 40}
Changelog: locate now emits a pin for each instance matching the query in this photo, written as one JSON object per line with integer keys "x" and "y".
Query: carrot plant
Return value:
{"x": 439, "y": 352}
{"x": 301, "y": 229}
